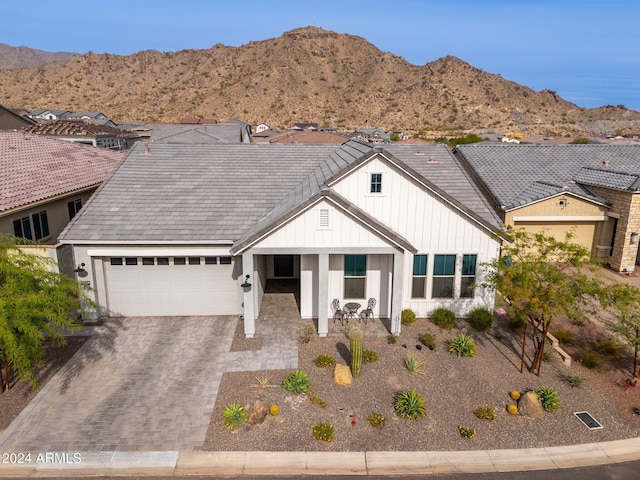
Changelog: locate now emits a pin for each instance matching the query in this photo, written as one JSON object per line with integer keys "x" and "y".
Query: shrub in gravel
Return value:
{"x": 428, "y": 339}
{"x": 322, "y": 431}
{"x": 563, "y": 335}
{"x": 369, "y": 356}
{"x": 444, "y": 318}
{"x": 466, "y": 432}
{"x": 297, "y": 382}
{"x": 607, "y": 347}
{"x": 575, "y": 380}
{"x": 323, "y": 360}
{"x": 481, "y": 319}
{"x": 485, "y": 413}
{"x": 413, "y": 364}
{"x": 462, "y": 345}
{"x": 407, "y": 317}
{"x": 392, "y": 339}
{"x": 549, "y": 398}
{"x": 410, "y": 405}
{"x": 234, "y": 415}
{"x": 590, "y": 359}
{"x": 376, "y": 419}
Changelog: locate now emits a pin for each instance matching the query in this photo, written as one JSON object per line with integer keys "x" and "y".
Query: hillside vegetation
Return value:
{"x": 306, "y": 75}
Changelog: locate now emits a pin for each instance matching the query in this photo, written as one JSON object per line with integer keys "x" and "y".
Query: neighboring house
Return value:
{"x": 304, "y": 126}
{"x": 311, "y": 137}
{"x": 372, "y": 135}
{"x": 262, "y": 127}
{"x": 194, "y": 133}
{"x": 590, "y": 190}
{"x": 48, "y": 114}
{"x": 201, "y": 229}
{"x": 86, "y": 132}
{"x": 10, "y": 120}
{"x": 95, "y": 117}
{"x": 44, "y": 183}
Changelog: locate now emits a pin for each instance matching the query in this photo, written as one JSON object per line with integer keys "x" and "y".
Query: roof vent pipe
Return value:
{"x": 605, "y": 163}
{"x": 146, "y": 149}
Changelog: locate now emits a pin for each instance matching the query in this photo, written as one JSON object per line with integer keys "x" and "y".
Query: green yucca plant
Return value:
{"x": 462, "y": 345}
{"x": 297, "y": 382}
{"x": 410, "y": 405}
{"x": 234, "y": 415}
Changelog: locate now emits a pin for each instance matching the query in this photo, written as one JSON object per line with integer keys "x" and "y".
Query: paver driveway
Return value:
{"x": 142, "y": 383}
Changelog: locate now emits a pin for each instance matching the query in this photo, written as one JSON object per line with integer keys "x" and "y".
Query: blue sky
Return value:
{"x": 587, "y": 51}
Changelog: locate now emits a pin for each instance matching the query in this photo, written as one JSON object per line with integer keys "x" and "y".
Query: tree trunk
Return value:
{"x": 6, "y": 376}
{"x": 635, "y": 355}
{"x": 538, "y": 343}
{"x": 524, "y": 342}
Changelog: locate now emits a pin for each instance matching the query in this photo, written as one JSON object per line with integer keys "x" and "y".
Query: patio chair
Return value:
{"x": 338, "y": 313}
{"x": 367, "y": 313}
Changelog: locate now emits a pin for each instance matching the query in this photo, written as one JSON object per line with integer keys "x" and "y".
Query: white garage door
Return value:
{"x": 168, "y": 286}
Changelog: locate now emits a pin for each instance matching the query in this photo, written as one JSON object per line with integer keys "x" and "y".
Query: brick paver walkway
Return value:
{"x": 148, "y": 383}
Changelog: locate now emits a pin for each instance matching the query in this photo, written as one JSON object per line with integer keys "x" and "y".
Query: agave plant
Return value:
{"x": 297, "y": 382}
{"x": 549, "y": 398}
{"x": 410, "y": 405}
{"x": 462, "y": 345}
{"x": 234, "y": 415}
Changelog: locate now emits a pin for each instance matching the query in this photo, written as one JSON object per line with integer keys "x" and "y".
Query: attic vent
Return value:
{"x": 323, "y": 218}
{"x": 420, "y": 153}
{"x": 432, "y": 160}
{"x": 605, "y": 163}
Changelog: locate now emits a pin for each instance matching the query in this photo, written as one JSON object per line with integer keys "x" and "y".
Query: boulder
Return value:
{"x": 342, "y": 374}
{"x": 257, "y": 413}
{"x": 529, "y": 405}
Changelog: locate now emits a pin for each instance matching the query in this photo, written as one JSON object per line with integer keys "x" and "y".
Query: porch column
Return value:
{"x": 247, "y": 295}
{"x": 396, "y": 291}
{"x": 323, "y": 294}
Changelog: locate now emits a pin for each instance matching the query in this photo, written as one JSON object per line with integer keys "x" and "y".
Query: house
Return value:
{"x": 309, "y": 137}
{"x": 95, "y": 117}
{"x": 191, "y": 133}
{"x": 590, "y": 190}
{"x": 48, "y": 114}
{"x": 10, "y": 119}
{"x": 262, "y": 127}
{"x": 372, "y": 135}
{"x": 86, "y": 132}
{"x": 201, "y": 230}
{"x": 45, "y": 182}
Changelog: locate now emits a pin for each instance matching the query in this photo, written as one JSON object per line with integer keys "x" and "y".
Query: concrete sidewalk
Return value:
{"x": 322, "y": 463}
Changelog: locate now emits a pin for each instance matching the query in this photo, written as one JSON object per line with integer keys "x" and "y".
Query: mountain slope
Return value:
{"x": 23, "y": 57}
{"x": 307, "y": 74}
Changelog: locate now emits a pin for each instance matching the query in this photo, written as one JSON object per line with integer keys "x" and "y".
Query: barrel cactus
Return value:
{"x": 356, "y": 351}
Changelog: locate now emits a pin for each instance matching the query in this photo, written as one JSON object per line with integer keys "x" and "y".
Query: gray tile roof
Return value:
{"x": 195, "y": 133}
{"x": 233, "y": 193}
{"x": 516, "y": 175}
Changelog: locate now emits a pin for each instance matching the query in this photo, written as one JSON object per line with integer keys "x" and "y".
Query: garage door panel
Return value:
{"x": 164, "y": 290}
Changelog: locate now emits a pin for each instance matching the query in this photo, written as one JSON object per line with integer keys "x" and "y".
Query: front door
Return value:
{"x": 283, "y": 266}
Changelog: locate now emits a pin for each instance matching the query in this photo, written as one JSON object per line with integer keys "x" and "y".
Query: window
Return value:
{"x": 115, "y": 260}
{"x": 210, "y": 260}
{"x": 179, "y": 261}
{"x": 376, "y": 182}
{"x": 194, "y": 260}
{"x": 468, "y": 275}
{"x": 225, "y": 260}
{"x": 22, "y": 228}
{"x": 419, "y": 280}
{"x": 74, "y": 207}
{"x": 444, "y": 270}
{"x": 40, "y": 225}
{"x": 148, "y": 261}
{"x": 131, "y": 261}
{"x": 163, "y": 260}
{"x": 355, "y": 276}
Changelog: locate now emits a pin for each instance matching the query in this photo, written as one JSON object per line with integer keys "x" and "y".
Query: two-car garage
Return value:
{"x": 159, "y": 285}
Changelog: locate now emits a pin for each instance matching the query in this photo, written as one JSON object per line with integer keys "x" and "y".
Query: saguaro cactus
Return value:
{"x": 356, "y": 351}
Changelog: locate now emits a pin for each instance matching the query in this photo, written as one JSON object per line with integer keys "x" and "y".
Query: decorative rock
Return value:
{"x": 342, "y": 374}
{"x": 257, "y": 413}
{"x": 529, "y": 405}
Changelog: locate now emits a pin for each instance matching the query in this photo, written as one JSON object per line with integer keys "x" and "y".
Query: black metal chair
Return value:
{"x": 367, "y": 313}
{"x": 338, "y": 313}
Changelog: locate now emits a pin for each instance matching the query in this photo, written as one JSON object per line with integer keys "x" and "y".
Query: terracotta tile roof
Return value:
{"x": 34, "y": 167}
{"x": 75, "y": 128}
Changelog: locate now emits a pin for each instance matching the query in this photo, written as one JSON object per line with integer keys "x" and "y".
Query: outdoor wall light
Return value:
{"x": 246, "y": 283}
{"x": 634, "y": 238}
{"x": 81, "y": 271}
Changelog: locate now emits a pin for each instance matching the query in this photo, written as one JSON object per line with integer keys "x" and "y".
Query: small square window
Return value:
{"x": 179, "y": 261}
{"x": 376, "y": 182}
{"x": 131, "y": 261}
{"x": 225, "y": 260}
{"x": 194, "y": 260}
{"x": 210, "y": 260}
{"x": 115, "y": 260}
{"x": 163, "y": 260}
{"x": 148, "y": 261}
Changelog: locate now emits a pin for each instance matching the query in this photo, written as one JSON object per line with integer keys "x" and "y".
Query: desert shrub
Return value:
{"x": 407, "y": 317}
{"x": 316, "y": 400}
{"x": 481, "y": 319}
{"x": 516, "y": 324}
{"x": 444, "y": 318}
{"x": 514, "y": 394}
{"x": 512, "y": 409}
{"x": 392, "y": 339}
{"x": 323, "y": 360}
{"x": 413, "y": 364}
{"x": 590, "y": 359}
{"x": 462, "y": 345}
{"x": 369, "y": 356}
{"x": 547, "y": 356}
{"x": 410, "y": 405}
{"x": 322, "y": 431}
{"x": 564, "y": 335}
{"x": 428, "y": 339}
{"x": 306, "y": 334}
{"x": 263, "y": 381}
{"x": 485, "y": 413}
{"x": 466, "y": 432}
{"x": 575, "y": 380}
{"x": 376, "y": 419}
{"x": 607, "y": 347}
{"x": 549, "y": 398}
{"x": 234, "y": 415}
{"x": 578, "y": 321}
{"x": 297, "y": 382}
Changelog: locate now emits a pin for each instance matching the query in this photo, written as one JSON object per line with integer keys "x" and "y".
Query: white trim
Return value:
{"x": 158, "y": 252}
{"x": 559, "y": 194}
{"x": 128, "y": 243}
{"x": 613, "y": 215}
{"x": 573, "y": 218}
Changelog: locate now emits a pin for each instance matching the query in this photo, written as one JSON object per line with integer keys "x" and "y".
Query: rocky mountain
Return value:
{"x": 306, "y": 75}
{"x": 23, "y": 57}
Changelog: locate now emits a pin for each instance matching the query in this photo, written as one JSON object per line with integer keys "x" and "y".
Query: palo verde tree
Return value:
{"x": 36, "y": 304}
{"x": 624, "y": 305}
{"x": 541, "y": 277}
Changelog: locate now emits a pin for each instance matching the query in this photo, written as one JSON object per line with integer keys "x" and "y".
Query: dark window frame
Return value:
{"x": 376, "y": 183}
{"x": 419, "y": 276}
{"x": 355, "y": 276}
{"x": 444, "y": 273}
